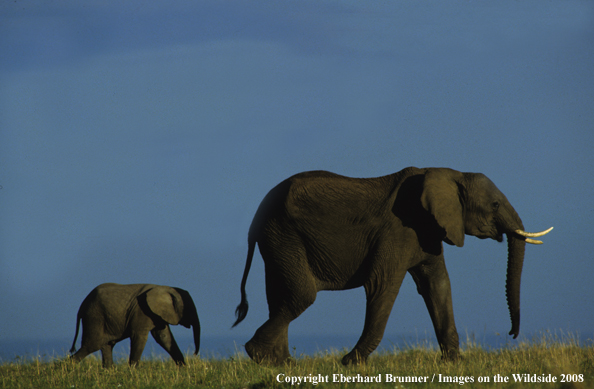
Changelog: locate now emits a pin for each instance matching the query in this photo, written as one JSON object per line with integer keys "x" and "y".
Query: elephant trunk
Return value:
{"x": 515, "y": 263}
{"x": 516, "y": 245}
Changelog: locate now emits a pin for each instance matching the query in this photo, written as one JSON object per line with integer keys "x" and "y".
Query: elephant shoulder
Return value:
{"x": 335, "y": 197}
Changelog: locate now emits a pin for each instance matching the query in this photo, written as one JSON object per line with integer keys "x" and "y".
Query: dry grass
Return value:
{"x": 547, "y": 356}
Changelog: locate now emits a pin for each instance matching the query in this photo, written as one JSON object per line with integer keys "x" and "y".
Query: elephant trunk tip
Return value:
{"x": 515, "y": 331}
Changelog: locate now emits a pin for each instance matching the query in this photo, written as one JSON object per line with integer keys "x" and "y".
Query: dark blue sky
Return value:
{"x": 137, "y": 140}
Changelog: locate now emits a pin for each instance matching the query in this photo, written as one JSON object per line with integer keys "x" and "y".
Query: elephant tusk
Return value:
{"x": 532, "y": 235}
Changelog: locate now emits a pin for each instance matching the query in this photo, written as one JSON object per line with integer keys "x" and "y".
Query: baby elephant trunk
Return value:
{"x": 196, "y": 329}
{"x": 190, "y": 317}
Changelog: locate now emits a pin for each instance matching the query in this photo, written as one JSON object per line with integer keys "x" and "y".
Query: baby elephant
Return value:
{"x": 113, "y": 312}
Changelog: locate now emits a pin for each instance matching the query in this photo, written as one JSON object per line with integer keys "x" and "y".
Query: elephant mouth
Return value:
{"x": 490, "y": 232}
{"x": 498, "y": 237}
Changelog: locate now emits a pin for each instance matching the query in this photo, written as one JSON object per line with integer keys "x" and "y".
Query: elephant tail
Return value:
{"x": 242, "y": 308}
{"x": 78, "y": 319}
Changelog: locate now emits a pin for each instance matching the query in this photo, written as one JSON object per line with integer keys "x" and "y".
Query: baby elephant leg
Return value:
{"x": 81, "y": 354}
{"x": 137, "y": 343}
{"x": 88, "y": 346}
{"x": 165, "y": 339}
{"x": 106, "y": 355}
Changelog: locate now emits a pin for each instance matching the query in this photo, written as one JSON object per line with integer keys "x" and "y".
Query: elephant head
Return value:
{"x": 469, "y": 203}
{"x": 175, "y": 306}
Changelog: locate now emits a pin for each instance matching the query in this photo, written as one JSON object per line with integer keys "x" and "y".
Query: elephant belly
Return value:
{"x": 345, "y": 268}
{"x": 336, "y": 255}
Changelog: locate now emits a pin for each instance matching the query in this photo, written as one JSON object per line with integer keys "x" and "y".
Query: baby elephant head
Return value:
{"x": 174, "y": 306}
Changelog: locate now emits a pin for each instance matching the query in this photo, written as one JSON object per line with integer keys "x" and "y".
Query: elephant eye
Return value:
{"x": 495, "y": 206}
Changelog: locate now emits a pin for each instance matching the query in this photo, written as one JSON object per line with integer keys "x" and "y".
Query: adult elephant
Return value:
{"x": 322, "y": 231}
{"x": 114, "y": 312}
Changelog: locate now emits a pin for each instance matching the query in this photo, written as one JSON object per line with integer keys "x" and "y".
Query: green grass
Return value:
{"x": 547, "y": 354}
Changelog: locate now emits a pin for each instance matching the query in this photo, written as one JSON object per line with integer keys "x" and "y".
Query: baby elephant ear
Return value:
{"x": 441, "y": 197}
{"x": 165, "y": 302}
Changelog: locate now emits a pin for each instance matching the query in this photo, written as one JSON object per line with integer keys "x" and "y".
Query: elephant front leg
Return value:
{"x": 433, "y": 283}
{"x": 380, "y": 299}
{"x": 107, "y": 355}
{"x": 137, "y": 342}
{"x": 165, "y": 339}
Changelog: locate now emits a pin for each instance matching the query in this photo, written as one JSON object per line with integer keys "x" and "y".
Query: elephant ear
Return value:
{"x": 441, "y": 197}
{"x": 166, "y": 303}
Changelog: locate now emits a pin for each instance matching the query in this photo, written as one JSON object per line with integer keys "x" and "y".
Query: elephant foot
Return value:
{"x": 451, "y": 355}
{"x": 267, "y": 355}
{"x": 354, "y": 358}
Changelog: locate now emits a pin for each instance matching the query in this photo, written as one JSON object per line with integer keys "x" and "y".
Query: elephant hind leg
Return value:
{"x": 288, "y": 296}
{"x": 270, "y": 343}
{"x": 89, "y": 344}
{"x": 82, "y": 353}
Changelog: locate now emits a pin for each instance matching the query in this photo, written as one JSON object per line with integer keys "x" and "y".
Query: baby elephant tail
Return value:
{"x": 242, "y": 308}
{"x": 78, "y": 319}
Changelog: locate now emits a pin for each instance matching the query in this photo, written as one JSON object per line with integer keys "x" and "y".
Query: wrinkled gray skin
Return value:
{"x": 114, "y": 312}
{"x": 321, "y": 231}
